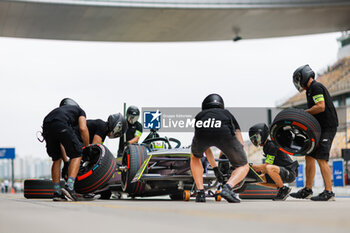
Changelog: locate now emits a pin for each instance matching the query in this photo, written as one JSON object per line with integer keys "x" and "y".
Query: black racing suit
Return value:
{"x": 133, "y": 130}
{"x": 288, "y": 167}
{"x": 327, "y": 119}
{"x": 216, "y": 127}
{"x": 58, "y": 128}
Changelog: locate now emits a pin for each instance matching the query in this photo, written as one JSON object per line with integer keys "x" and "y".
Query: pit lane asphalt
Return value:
{"x": 18, "y": 215}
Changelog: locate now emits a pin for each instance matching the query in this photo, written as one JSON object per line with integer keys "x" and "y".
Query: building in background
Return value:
{"x": 25, "y": 168}
{"x": 344, "y": 45}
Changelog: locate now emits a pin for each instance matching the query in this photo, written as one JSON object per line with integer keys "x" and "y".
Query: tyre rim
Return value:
{"x": 89, "y": 161}
{"x": 293, "y": 139}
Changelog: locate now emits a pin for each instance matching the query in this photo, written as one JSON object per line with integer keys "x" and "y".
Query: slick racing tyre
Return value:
{"x": 254, "y": 191}
{"x": 97, "y": 167}
{"x": 35, "y": 188}
{"x": 295, "y": 132}
{"x": 133, "y": 158}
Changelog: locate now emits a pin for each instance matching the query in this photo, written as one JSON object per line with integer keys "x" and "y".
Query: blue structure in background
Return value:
{"x": 7, "y": 153}
{"x": 338, "y": 173}
{"x": 300, "y": 179}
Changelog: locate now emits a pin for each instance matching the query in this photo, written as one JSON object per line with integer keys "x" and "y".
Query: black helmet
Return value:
{"x": 68, "y": 101}
{"x": 132, "y": 114}
{"x": 301, "y": 77}
{"x": 258, "y": 134}
{"x": 117, "y": 125}
{"x": 213, "y": 101}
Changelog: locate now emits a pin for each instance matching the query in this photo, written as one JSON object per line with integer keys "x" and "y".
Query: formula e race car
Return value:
{"x": 147, "y": 169}
{"x": 150, "y": 170}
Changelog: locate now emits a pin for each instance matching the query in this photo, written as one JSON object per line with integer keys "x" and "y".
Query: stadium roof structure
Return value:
{"x": 336, "y": 79}
{"x": 170, "y": 20}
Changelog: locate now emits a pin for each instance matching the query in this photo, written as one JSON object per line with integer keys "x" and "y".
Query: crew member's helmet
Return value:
{"x": 258, "y": 134}
{"x": 213, "y": 101}
{"x": 301, "y": 77}
{"x": 132, "y": 114}
{"x": 68, "y": 101}
{"x": 117, "y": 125}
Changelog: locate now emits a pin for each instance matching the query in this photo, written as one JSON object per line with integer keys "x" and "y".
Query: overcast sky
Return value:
{"x": 36, "y": 74}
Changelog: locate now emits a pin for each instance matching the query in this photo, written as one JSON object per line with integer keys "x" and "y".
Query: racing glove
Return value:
{"x": 219, "y": 175}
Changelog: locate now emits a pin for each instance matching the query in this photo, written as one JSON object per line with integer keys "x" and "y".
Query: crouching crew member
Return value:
{"x": 216, "y": 126}
{"x": 58, "y": 128}
{"x": 115, "y": 126}
{"x": 279, "y": 168}
{"x": 134, "y": 130}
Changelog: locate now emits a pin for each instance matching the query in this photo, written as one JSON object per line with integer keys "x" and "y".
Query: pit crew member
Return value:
{"x": 279, "y": 168}
{"x": 321, "y": 106}
{"x": 134, "y": 130}
{"x": 115, "y": 126}
{"x": 58, "y": 128}
{"x": 216, "y": 126}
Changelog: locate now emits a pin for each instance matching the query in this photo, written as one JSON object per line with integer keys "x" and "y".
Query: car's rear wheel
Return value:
{"x": 98, "y": 166}
{"x": 295, "y": 132}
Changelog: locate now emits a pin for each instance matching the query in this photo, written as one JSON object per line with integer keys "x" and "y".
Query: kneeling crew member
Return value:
{"x": 215, "y": 126}
{"x": 279, "y": 168}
